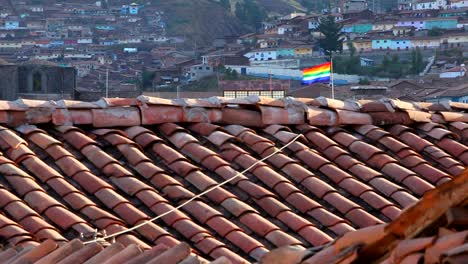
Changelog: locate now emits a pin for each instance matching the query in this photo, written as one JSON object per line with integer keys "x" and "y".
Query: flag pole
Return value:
{"x": 332, "y": 82}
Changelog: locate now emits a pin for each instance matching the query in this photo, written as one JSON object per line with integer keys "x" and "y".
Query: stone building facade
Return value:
{"x": 37, "y": 81}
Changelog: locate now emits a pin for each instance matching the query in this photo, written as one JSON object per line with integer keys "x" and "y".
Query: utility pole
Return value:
{"x": 107, "y": 83}
{"x": 332, "y": 79}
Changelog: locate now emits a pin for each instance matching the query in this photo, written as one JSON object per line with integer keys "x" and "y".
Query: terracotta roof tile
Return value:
{"x": 38, "y": 252}
{"x": 352, "y": 172}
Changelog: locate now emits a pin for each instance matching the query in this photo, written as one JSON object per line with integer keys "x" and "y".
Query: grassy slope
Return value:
{"x": 204, "y": 20}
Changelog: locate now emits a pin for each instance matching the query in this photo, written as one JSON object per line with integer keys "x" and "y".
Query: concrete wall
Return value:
{"x": 255, "y": 85}
{"x": 184, "y": 94}
{"x": 289, "y": 74}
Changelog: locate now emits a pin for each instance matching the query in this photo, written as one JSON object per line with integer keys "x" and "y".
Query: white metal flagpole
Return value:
{"x": 332, "y": 82}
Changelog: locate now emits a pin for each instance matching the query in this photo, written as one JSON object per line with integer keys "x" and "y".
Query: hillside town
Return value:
{"x": 124, "y": 50}
{"x": 233, "y": 131}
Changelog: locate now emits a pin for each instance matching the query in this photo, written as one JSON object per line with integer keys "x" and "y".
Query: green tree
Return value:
{"x": 435, "y": 32}
{"x": 417, "y": 64}
{"x": 332, "y": 36}
{"x": 351, "y": 48}
{"x": 364, "y": 81}
{"x": 147, "y": 78}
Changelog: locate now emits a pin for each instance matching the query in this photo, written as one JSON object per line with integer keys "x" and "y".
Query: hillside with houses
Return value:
{"x": 126, "y": 49}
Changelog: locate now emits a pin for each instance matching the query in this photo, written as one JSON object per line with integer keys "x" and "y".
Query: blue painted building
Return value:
{"x": 133, "y": 9}
{"x": 357, "y": 28}
{"x": 362, "y": 28}
{"x": 381, "y": 44}
{"x": 12, "y": 23}
{"x": 285, "y": 52}
{"x": 391, "y": 44}
{"x": 444, "y": 23}
{"x": 57, "y": 43}
{"x": 401, "y": 44}
{"x": 105, "y": 27}
{"x": 124, "y": 10}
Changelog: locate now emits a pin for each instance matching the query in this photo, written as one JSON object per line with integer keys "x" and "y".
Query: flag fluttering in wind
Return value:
{"x": 319, "y": 73}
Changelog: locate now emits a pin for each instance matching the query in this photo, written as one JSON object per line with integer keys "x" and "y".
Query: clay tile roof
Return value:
{"x": 292, "y": 180}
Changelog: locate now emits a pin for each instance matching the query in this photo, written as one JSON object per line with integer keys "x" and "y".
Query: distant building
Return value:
{"x": 124, "y": 10}
{"x": 133, "y": 9}
{"x": 430, "y": 4}
{"x": 364, "y": 14}
{"x": 458, "y": 4}
{"x": 130, "y": 50}
{"x": 12, "y": 23}
{"x": 244, "y": 88}
{"x": 455, "y": 72}
{"x": 37, "y": 9}
{"x": 406, "y": 4}
{"x": 355, "y": 5}
{"x": 199, "y": 71}
{"x": 366, "y": 91}
{"x": 444, "y": 23}
{"x": 37, "y": 81}
{"x": 361, "y": 45}
{"x": 262, "y": 54}
{"x": 425, "y": 42}
{"x": 391, "y": 44}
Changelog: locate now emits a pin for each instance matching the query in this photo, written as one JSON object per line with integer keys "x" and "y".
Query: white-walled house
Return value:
{"x": 430, "y": 4}
{"x": 262, "y": 55}
{"x": 199, "y": 71}
{"x": 458, "y": 4}
{"x": 455, "y": 72}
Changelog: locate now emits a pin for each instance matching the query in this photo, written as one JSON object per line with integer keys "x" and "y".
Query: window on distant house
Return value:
{"x": 241, "y": 94}
{"x": 230, "y": 94}
{"x": 278, "y": 94}
{"x": 37, "y": 82}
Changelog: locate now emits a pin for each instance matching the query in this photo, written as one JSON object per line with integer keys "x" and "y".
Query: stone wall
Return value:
{"x": 8, "y": 82}
{"x": 32, "y": 81}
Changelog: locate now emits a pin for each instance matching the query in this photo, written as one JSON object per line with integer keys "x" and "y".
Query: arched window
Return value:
{"x": 37, "y": 82}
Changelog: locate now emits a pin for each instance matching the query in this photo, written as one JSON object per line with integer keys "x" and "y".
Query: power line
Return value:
{"x": 195, "y": 197}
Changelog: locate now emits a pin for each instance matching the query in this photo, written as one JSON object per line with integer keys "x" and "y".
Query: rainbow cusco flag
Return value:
{"x": 319, "y": 73}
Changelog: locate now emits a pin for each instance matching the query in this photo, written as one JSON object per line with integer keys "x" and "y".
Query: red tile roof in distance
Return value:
{"x": 151, "y": 180}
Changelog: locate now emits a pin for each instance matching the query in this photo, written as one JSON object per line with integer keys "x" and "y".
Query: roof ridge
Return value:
{"x": 146, "y": 110}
